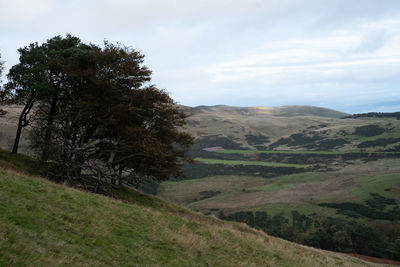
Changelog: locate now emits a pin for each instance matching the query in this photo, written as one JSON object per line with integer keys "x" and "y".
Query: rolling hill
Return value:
{"x": 302, "y": 173}
{"x": 47, "y": 224}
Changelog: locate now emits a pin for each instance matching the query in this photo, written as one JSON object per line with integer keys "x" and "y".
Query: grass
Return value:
{"x": 245, "y": 162}
{"x": 300, "y": 152}
{"x": 286, "y": 181}
{"x": 393, "y": 134}
{"x": 381, "y": 184}
{"x": 20, "y": 162}
{"x": 46, "y": 224}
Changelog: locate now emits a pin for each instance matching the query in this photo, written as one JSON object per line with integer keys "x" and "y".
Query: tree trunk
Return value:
{"x": 17, "y": 137}
{"x": 47, "y": 137}
{"x": 22, "y": 122}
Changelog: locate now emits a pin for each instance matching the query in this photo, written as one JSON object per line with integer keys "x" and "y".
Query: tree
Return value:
{"x": 1, "y": 68}
{"x": 110, "y": 124}
{"x": 3, "y": 92}
{"x": 39, "y": 78}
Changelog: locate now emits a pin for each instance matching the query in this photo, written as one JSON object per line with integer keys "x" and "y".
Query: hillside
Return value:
{"x": 293, "y": 172}
{"x": 297, "y": 174}
{"x": 283, "y": 111}
{"x": 274, "y": 128}
{"x": 43, "y": 223}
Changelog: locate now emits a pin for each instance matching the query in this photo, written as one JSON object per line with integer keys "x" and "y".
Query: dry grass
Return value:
{"x": 306, "y": 189}
{"x": 44, "y": 224}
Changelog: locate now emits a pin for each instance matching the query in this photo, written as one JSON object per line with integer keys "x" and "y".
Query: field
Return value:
{"x": 300, "y": 173}
{"x": 237, "y": 193}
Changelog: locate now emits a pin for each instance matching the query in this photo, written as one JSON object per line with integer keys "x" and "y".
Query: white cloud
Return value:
{"x": 20, "y": 12}
{"x": 212, "y": 52}
{"x": 343, "y": 56}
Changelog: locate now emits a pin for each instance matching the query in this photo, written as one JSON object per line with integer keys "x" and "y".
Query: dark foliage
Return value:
{"x": 98, "y": 117}
{"x": 329, "y": 233}
{"x": 39, "y": 77}
{"x": 374, "y": 208}
{"x": 199, "y": 170}
{"x": 374, "y": 115}
{"x": 208, "y": 194}
{"x": 327, "y": 144}
{"x": 298, "y": 139}
{"x": 302, "y": 139}
{"x": 281, "y": 141}
{"x": 215, "y": 141}
{"x": 256, "y": 139}
{"x": 369, "y": 130}
{"x": 378, "y": 142}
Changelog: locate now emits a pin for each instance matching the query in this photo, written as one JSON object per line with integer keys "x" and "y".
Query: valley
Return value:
{"x": 304, "y": 174}
{"x": 295, "y": 172}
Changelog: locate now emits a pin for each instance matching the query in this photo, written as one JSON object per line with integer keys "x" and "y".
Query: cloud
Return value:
{"x": 252, "y": 52}
{"x": 19, "y": 12}
{"x": 344, "y": 56}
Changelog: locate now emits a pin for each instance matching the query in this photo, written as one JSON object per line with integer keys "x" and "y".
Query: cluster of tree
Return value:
{"x": 374, "y": 115}
{"x": 256, "y": 139}
{"x": 200, "y": 170}
{"x": 369, "y": 130}
{"x": 376, "y": 239}
{"x": 378, "y": 207}
{"x": 327, "y": 144}
{"x": 379, "y": 142}
{"x": 94, "y": 114}
{"x": 297, "y": 139}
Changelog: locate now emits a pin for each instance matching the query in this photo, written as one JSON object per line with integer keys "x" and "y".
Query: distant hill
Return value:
{"x": 46, "y": 224}
{"x": 283, "y": 111}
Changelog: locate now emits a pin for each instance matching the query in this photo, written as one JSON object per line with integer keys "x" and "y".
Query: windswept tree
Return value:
{"x": 112, "y": 124}
{"x": 39, "y": 79}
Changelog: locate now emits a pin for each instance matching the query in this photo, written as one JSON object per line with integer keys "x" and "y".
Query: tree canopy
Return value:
{"x": 39, "y": 77}
{"x": 97, "y": 114}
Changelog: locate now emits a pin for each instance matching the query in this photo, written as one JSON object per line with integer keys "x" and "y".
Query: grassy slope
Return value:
{"x": 285, "y": 193}
{"x": 43, "y": 224}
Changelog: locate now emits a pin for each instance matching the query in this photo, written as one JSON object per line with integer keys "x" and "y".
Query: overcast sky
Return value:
{"x": 339, "y": 54}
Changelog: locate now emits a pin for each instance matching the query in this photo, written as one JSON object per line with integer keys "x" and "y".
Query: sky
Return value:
{"x": 343, "y": 55}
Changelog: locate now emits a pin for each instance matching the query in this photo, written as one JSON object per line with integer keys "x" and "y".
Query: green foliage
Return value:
{"x": 374, "y": 208}
{"x": 328, "y": 233}
{"x": 40, "y": 77}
